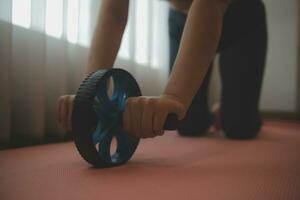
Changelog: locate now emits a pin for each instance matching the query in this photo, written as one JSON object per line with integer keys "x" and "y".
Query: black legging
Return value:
{"x": 242, "y": 51}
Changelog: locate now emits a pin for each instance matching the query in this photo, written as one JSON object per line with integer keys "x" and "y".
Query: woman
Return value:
{"x": 198, "y": 29}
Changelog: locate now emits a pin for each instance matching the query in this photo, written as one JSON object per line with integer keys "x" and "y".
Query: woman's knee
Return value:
{"x": 242, "y": 130}
{"x": 241, "y": 134}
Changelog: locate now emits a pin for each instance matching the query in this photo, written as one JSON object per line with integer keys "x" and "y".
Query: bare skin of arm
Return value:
{"x": 144, "y": 116}
{"x": 197, "y": 49}
{"x": 181, "y": 5}
{"x": 108, "y": 34}
{"x": 103, "y": 51}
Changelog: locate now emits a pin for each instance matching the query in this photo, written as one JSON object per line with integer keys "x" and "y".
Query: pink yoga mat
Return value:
{"x": 167, "y": 167}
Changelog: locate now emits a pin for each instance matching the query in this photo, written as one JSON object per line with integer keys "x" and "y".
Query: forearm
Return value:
{"x": 197, "y": 49}
{"x": 108, "y": 34}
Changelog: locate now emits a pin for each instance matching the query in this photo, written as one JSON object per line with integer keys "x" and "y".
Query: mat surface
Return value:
{"x": 168, "y": 167}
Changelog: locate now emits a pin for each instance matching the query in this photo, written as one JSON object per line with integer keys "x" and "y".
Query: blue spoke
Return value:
{"x": 103, "y": 138}
{"x": 120, "y": 93}
{"x": 104, "y": 150}
{"x": 99, "y": 134}
{"x": 120, "y": 101}
{"x": 106, "y": 106}
{"x": 109, "y": 113}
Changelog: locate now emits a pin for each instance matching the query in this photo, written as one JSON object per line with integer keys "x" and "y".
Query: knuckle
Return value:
{"x": 140, "y": 99}
{"x": 60, "y": 99}
{"x": 141, "y": 102}
{"x": 64, "y": 99}
{"x": 149, "y": 102}
{"x": 152, "y": 101}
{"x": 135, "y": 99}
{"x": 68, "y": 98}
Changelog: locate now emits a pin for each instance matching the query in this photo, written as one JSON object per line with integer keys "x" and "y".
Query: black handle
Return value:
{"x": 171, "y": 122}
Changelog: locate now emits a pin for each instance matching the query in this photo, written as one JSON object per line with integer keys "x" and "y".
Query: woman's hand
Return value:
{"x": 64, "y": 111}
{"x": 144, "y": 117}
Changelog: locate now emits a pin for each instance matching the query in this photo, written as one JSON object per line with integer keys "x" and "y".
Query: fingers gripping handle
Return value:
{"x": 171, "y": 122}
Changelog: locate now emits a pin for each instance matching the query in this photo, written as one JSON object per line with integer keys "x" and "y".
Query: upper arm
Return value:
{"x": 117, "y": 9}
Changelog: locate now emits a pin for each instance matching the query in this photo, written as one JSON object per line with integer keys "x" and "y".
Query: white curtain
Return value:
{"x": 43, "y": 52}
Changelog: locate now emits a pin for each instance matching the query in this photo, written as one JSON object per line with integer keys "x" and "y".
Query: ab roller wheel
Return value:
{"x": 97, "y": 117}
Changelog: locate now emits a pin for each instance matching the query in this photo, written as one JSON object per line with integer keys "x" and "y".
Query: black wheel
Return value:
{"x": 97, "y": 118}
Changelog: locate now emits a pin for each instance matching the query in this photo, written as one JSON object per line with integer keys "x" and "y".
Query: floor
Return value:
{"x": 168, "y": 167}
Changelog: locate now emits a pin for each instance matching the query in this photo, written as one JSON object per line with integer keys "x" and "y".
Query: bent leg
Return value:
{"x": 242, "y": 62}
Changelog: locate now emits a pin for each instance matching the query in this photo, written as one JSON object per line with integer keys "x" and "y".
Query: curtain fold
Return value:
{"x": 5, "y": 75}
{"x": 47, "y": 59}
